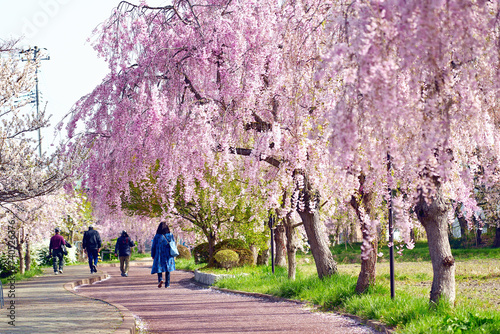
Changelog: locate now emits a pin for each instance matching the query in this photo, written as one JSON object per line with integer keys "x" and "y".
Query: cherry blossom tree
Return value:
{"x": 222, "y": 206}
{"x": 417, "y": 88}
{"x": 195, "y": 83}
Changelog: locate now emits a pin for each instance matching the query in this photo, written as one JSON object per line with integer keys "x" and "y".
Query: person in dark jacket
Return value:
{"x": 92, "y": 245}
{"x": 55, "y": 250}
{"x": 163, "y": 262}
{"x": 122, "y": 250}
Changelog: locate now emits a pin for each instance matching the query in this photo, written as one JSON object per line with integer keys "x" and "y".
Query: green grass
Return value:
{"x": 407, "y": 313}
{"x": 476, "y": 310}
{"x": 27, "y": 274}
{"x": 184, "y": 264}
{"x": 352, "y": 253}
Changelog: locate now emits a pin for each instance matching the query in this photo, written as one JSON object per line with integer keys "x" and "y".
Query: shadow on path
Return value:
{"x": 186, "y": 307}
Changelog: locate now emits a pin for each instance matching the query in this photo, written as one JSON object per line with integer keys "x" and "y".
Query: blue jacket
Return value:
{"x": 123, "y": 245}
{"x": 160, "y": 252}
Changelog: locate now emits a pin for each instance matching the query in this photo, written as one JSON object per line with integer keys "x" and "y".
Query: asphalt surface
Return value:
{"x": 79, "y": 302}
{"x": 185, "y": 307}
{"x": 43, "y": 305}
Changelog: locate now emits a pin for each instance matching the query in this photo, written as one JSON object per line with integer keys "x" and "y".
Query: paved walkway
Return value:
{"x": 49, "y": 304}
{"x": 187, "y": 308}
{"x": 43, "y": 305}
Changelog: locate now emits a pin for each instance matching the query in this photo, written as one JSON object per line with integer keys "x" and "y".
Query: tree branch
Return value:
{"x": 247, "y": 152}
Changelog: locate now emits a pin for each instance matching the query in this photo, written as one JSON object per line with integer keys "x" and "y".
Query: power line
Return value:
{"x": 36, "y": 50}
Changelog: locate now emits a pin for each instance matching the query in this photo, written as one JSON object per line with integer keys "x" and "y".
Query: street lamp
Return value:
{"x": 272, "y": 220}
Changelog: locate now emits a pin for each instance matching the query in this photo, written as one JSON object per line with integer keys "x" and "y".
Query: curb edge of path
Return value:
{"x": 376, "y": 325}
{"x": 128, "y": 324}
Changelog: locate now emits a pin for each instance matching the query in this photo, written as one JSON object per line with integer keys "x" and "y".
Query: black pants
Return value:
{"x": 167, "y": 278}
{"x": 57, "y": 254}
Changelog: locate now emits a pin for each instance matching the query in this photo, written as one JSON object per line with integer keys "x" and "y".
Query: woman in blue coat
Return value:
{"x": 163, "y": 262}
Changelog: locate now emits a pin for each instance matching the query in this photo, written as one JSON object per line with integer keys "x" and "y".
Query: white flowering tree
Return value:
{"x": 35, "y": 219}
{"x": 23, "y": 173}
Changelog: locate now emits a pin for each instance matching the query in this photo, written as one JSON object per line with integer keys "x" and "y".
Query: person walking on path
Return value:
{"x": 92, "y": 245}
{"x": 163, "y": 262}
{"x": 56, "y": 251}
{"x": 122, "y": 248}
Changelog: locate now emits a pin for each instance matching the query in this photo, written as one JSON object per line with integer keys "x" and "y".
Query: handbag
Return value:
{"x": 173, "y": 247}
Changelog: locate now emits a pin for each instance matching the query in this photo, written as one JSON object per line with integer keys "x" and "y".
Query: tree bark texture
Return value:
{"x": 315, "y": 229}
{"x": 496, "y": 242}
{"x": 463, "y": 228}
{"x": 280, "y": 243}
{"x": 27, "y": 256}
{"x": 71, "y": 237}
{"x": 367, "y": 275}
{"x": 325, "y": 264}
{"x": 263, "y": 258}
{"x": 291, "y": 247}
{"x": 211, "y": 247}
{"x": 479, "y": 233}
{"x": 255, "y": 253}
{"x": 19, "y": 248}
{"x": 434, "y": 218}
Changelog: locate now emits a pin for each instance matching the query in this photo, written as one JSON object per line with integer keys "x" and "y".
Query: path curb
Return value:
{"x": 128, "y": 325}
{"x": 376, "y": 325}
{"x": 208, "y": 278}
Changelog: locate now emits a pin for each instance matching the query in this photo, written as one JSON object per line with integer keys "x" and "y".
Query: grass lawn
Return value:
{"x": 477, "y": 307}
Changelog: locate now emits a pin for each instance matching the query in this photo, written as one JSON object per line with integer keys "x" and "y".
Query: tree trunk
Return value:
{"x": 479, "y": 232}
{"x": 325, "y": 264}
{"x": 351, "y": 237}
{"x": 463, "y": 229}
{"x": 263, "y": 257}
{"x": 280, "y": 243}
{"x": 308, "y": 209}
{"x": 291, "y": 247}
{"x": 496, "y": 242}
{"x": 27, "y": 256}
{"x": 434, "y": 218}
{"x": 19, "y": 248}
{"x": 367, "y": 275}
{"x": 255, "y": 253}
{"x": 211, "y": 248}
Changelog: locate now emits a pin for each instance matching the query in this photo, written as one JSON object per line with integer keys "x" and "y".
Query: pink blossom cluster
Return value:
{"x": 333, "y": 89}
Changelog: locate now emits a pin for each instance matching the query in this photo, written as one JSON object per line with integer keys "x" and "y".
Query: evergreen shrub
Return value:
{"x": 240, "y": 247}
{"x": 227, "y": 258}
{"x": 200, "y": 253}
{"x": 230, "y": 244}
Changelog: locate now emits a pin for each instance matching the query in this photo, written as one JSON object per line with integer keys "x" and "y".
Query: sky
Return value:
{"x": 63, "y": 28}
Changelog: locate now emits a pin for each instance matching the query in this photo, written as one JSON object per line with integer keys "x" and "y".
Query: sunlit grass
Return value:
{"x": 408, "y": 312}
{"x": 477, "y": 303}
{"x": 34, "y": 271}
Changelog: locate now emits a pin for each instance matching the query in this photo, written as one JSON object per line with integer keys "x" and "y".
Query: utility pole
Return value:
{"x": 35, "y": 51}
